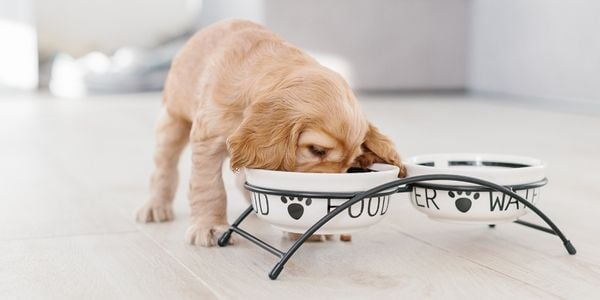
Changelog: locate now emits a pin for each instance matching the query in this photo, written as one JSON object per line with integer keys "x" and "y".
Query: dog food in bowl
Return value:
{"x": 276, "y": 198}
{"x": 463, "y": 202}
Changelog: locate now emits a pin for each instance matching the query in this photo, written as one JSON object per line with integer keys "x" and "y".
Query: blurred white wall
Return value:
{"x": 384, "y": 44}
{"x": 540, "y": 48}
{"x": 80, "y": 26}
{"x": 212, "y": 11}
{"x": 18, "y": 46}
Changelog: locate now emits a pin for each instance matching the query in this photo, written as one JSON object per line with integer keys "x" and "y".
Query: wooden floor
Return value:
{"x": 72, "y": 173}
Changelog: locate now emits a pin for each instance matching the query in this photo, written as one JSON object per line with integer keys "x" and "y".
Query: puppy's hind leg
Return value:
{"x": 172, "y": 135}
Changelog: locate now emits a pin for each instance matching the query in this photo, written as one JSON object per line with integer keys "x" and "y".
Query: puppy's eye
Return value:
{"x": 317, "y": 151}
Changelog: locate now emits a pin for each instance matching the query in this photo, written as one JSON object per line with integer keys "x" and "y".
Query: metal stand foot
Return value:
{"x": 570, "y": 248}
{"x": 224, "y": 239}
{"x": 276, "y": 270}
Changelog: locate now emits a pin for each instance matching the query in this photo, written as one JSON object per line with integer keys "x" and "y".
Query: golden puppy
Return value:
{"x": 238, "y": 89}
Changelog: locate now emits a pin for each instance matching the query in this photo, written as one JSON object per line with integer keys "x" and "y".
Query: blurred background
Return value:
{"x": 542, "y": 49}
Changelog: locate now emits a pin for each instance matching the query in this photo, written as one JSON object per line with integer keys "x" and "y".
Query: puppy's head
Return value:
{"x": 309, "y": 122}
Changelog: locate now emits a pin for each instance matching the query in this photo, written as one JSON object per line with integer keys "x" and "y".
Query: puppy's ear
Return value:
{"x": 266, "y": 138}
{"x": 378, "y": 148}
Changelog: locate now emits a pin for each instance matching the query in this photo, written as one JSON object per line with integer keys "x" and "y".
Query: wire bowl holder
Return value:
{"x": 392, "y": 187}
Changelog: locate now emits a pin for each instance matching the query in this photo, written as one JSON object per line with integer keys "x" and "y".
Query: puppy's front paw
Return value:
{"x": 155, "y": 213}
{"x": 205, "y": 235}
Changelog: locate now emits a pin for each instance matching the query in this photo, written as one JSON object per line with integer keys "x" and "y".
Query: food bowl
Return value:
{"x": 294, "y": 201}
{"x": 461, "y": 202}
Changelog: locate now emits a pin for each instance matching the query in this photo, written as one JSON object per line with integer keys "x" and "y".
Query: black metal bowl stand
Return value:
{"x": 396, "y": 186}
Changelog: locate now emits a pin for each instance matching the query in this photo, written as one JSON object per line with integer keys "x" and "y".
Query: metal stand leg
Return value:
{"x": 553, "y": 228}
{"x": 224, "y": 239}
{"x": 535, "y": 226}
{"x": 567, "y": 243}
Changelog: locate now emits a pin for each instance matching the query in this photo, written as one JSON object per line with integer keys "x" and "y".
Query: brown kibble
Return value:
{"x": 313, "y": 238}
{"x": 345, "y": 237}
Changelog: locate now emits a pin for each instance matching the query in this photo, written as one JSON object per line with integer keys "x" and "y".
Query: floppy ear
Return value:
{"x": 266, "y": 138}
{"x": 379, "y": 148}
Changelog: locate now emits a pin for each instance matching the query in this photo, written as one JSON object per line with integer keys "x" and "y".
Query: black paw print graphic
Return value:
{"x": 296, "y": 208}
{"x": 463, "y": 202}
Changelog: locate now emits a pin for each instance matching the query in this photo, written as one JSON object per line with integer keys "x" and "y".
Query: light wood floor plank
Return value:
{"x": 124, "y": 266}
{"x": 531, "y": 256}
{"x": 379, "y": 263}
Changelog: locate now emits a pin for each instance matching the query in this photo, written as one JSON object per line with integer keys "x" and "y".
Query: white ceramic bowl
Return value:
{"x": 459, "y": 204}
{"x": 297, "y": 214}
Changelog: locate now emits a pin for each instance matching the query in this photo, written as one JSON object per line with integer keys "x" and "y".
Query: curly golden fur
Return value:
{"x": 238, "y": 89}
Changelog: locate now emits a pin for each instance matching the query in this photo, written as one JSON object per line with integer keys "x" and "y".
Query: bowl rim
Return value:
{"x": 379, "y": 167}
{"x": 416, "y": 162}
{"x": 322, "y": 182}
